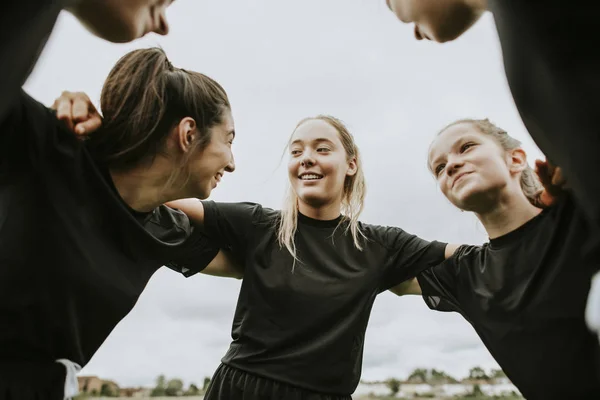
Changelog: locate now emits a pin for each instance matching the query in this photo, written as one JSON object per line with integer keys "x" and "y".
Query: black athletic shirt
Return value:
{"x": 525, "y": 293}
{"x": 304, "y": 324}
{"x": 25, "y": 26}
{"x": 552, "y": 62}
{"x": 74, "y": 258}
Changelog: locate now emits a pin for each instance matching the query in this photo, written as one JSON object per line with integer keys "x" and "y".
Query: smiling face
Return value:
{"x": 471, "y": 168}
{"x": 209, "y": 164}
{"x": 319, "y": 166}
{"x": 438, "y": 20}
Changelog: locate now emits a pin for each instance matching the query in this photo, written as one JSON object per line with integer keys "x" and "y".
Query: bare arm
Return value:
{"x": 192, "y": 208}
{"x": 412, "y": 286}
{"x": 224, "y": 265}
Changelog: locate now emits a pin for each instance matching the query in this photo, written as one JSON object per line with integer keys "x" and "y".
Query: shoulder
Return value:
{"x": 166, "y": 222}
{"x": 466, "y": 254}
{"x": 390, "y": 237}
{"x": 381, "y": 234}
{"x": 245, "y": 210}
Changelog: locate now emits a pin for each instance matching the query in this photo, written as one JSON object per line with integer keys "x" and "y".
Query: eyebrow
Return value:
{"x": 458, "y": 142}
{"x": 318, "y": 140}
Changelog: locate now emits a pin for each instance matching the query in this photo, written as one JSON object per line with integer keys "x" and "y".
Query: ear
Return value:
{"x": 517, "y": 161}
{"x": 186, "y": 133}
{"x": 352, "y": 167}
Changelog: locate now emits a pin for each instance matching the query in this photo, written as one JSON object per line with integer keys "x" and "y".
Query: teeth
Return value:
{"x": 310, "y": 177}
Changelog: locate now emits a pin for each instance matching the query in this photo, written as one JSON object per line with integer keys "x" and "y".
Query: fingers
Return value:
{"x": 542, "y": 170}
{"x": 88, "y": 126}
{"x": 81, "y": 107}
{"x": 558, "y": 178}
{"x": 78, "y": 112}
{"x": 63, "y": 107}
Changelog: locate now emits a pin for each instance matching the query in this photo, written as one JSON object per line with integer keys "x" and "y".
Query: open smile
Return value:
{"x": 310, "y": 176}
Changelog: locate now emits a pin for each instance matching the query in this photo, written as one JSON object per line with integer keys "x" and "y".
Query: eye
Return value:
{"x": 438, "y": 170}
{"x": 323, "y": 150}
{"x": 295, "y": 152}
{"x": 466, "y": 146}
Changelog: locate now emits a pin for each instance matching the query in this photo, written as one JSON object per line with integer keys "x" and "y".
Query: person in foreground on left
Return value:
{"x": 82, "y": 225}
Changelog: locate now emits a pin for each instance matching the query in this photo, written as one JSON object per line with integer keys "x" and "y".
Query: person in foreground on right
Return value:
{"x": 552, "y": 64}
{"x": 525, "y": 290}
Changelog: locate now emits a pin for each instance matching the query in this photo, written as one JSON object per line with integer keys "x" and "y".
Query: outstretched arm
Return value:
{"x": 412, "y": 286}
{"x": 193, "y": 208}
{"x": 225, "y": 266}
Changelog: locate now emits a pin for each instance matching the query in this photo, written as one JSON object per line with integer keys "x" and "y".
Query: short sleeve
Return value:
{"x": 440, "y": 284}
{"x": 408, "y": 255}
{"x": 196, "y": 253}
{"x": 26, "y": 133}
{"x": 231, "y": 224}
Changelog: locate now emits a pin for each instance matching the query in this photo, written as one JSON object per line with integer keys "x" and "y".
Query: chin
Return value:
{"x": 312, "y": 200}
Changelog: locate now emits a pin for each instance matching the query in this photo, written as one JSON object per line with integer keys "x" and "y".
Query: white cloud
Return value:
{"x": 279, "y": 62}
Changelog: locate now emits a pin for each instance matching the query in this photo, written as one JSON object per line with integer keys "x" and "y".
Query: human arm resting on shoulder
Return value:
{"x": 193, "y": 208}
{"x": 231, "y": 225}
{"x": 224, "y": 265}
{"x": 412, "y": 286}
{"x": 407, "y": 255}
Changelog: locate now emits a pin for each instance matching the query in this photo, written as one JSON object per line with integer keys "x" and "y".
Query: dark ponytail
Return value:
{"x": 143, "y": 98}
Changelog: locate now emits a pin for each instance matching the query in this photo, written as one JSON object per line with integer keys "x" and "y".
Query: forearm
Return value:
{"x": 193, "y": 208}
{"x": 450, "y": 249}
{"x": 408, "y": 287}
{"x": 223, "y": 265}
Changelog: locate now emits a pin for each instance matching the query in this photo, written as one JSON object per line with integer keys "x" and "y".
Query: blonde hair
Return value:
{"x": 353, "y": 197}
{"x": 530, "y": 184}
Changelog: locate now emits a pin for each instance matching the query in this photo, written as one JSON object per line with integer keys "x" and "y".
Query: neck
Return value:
{"x": 511, "y": 212}
{"x": 323, "y": 212}
{"x": 144, "y": 188}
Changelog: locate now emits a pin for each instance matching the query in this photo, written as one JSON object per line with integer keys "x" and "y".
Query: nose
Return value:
{"x": 231, "y": 166}
{"x": 307, "y": 159}
{"x": 162, "y": 28}
{"x": 418, "y": 34}
{"x": 454, "y": 165}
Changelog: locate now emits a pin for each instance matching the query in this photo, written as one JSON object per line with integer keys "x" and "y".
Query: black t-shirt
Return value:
{"x": 304, "y": 324}
{"x": 525, "y": 294}
{"x": 25, "y": 26}
{"x": 552, "y": 62}
{"x": 73, "y": 257}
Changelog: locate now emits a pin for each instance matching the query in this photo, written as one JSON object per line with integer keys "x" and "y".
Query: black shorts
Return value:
{"x": 230, "y": 383}
{"x": 31, "y": 380}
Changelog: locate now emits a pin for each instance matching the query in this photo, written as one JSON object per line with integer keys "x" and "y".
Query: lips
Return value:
{"x": 458, "y": 177}
{"x": 310, "y": 176}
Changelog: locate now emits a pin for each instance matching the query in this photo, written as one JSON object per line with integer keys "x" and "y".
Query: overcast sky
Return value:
{"x": 281, "y": 61}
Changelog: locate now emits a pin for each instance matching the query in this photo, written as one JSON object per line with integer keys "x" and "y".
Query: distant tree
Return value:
{"x": 478, "y": 373}
{"x": 419, "y": 375}
{"x": 441, "y": 377}
{"x": 477, "y": 392}
{"x": 497, "y": 373}
{"x": 206, "y": 383}
{"x": 192, "y": 390}
{"x": 107, "y": 391}
{"x": 394, "y": 385}
{"x": 174, "y": 387}
{"x": 160, "y": 388}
